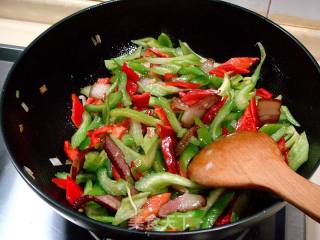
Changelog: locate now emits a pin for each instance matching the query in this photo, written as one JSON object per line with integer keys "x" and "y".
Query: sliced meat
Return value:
{"x": 177, "y": 105}
{"x": 197, "y": 110}
{"x": 116, "y": 156}
{"x": 268, "y": 110}
{"x": 106, "y": 201}
{"x": 182, "y": 144}
{"x": 182, "y": 203}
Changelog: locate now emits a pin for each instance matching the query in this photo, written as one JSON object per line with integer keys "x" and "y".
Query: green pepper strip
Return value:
{"x": 138, "y": 67}
{"x": 179, "y": 221}
{"x": 299, "y": 152}
{"x": 165, "y": 40}
{"x": 204, "y": 136}
{"x": 136, "y": 132}
{"x": 87, "y": 187}
{"x": 109, "y": 167}
{"x": 145, "y": 162}
{"x": 128, "y": 153}
{"x": 112, "y": 99}
{"x": 115, "y": 63}
{"x": 126, "y": 100}
{"x": 213, "y": 197}
{"x": 81, "y": 177}
{"x": 245, "y": 94}
{"x": 191, "y": 70}
{"x": 84, "y": 177}
{"x": 127, "y": 210}
{"x": 97, "y": 212}
{"x": 96, "y": 122}
{"x": 158, "y": 164}
{"x": 215, "y": 127}
{"x": 217, "y": 209}
{"x": 286, "y": 115}
{"x": 116, "y": 188}
{"x": 256, "y": 74}
{"x": 154, "y": 182}
{"x": 81, "y": 133}
{"x": 174, "y": 122}
{"x": 128, "y": 140}
{"x": 135, "y": 115}
{"x": 271, "y": 128}
{"x": 94, "y": 160}
{"x": 216, "y": 81}
{"x": 96, "y": 190}
{"x": 187, "y": 155}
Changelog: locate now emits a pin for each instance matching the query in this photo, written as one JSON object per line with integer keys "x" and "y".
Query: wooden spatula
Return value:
{"x": 253, "y": 160}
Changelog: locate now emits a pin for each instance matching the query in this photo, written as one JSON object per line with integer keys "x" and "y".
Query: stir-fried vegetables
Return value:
{"x": 137, "y": 130}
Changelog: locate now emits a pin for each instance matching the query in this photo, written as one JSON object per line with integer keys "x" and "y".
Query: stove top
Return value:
{"x": 24, "y": 215}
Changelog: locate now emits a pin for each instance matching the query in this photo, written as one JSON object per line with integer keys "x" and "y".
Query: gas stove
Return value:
{"x": 24, "y": 215}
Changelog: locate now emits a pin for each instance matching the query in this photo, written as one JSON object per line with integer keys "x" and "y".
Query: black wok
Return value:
{"x": 65, "y": 59}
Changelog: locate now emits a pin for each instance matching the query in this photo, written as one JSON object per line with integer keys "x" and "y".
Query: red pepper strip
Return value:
{"x": 61, "y": 183}
{"x": 225, "y": 131}
{"x": 92, "y": 100}
{"x": 162, "y": 115}
{"x": 182, "y": 172}
{"x": 159, "y": 53}
{"x": 115, "y": 173}
{"x": 105, "y": 80}
{"x": 224, "y": 219}
{"x": 242, "y": 62}
{"x": 141, "y": 101}
{"x": 167, "y": 146}
{"x": 73, "y": 190}
{"x": 116, "y": 129}
{"x": 169, "y": 76}
{"x": 168, "y": 141}
{"x": 248, "y": 121}
{"x": 211, "y": 113}
{"x": 195, "y": 95}
{"x": 72, "y": 153}
{"x": 263, "y": 93}
{"x": 77, "y": 110}
{"x": 239, "y": 65}
{"x": 137, "y": 174}
{"x": 130, "y": 73}
{"x": 283, "y": 149}
{"x": 183, "y": 84}
{"x": 150, "y": 209}
{"x": 164, "y": 131}
{"x": 254, "y": 110}
{"x": 131, "y": 87}
{"x": 148, "y": 53}
{"x": 224, "y": 68}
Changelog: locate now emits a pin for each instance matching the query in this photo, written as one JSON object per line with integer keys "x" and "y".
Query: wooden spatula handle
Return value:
{"x": 298, "y": 191}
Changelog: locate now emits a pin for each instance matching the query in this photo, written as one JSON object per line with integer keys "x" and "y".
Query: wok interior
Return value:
{"x": 65, "y": 59}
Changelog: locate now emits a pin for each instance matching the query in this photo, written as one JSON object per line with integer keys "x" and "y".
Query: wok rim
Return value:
{"x": 91, "y": 224}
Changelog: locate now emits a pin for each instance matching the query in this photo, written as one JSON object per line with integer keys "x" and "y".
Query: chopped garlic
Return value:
{"x": 21, "y": 127}
{"x": 96, "y": 39}
{"x": 55, "y": 161}
{"x": 83, "y": 99}
{"x": 29, "y": 172}
{"x": 68, "y": 162}
{"x": 43, "y": 89}
{"x": 25, "y": 107}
